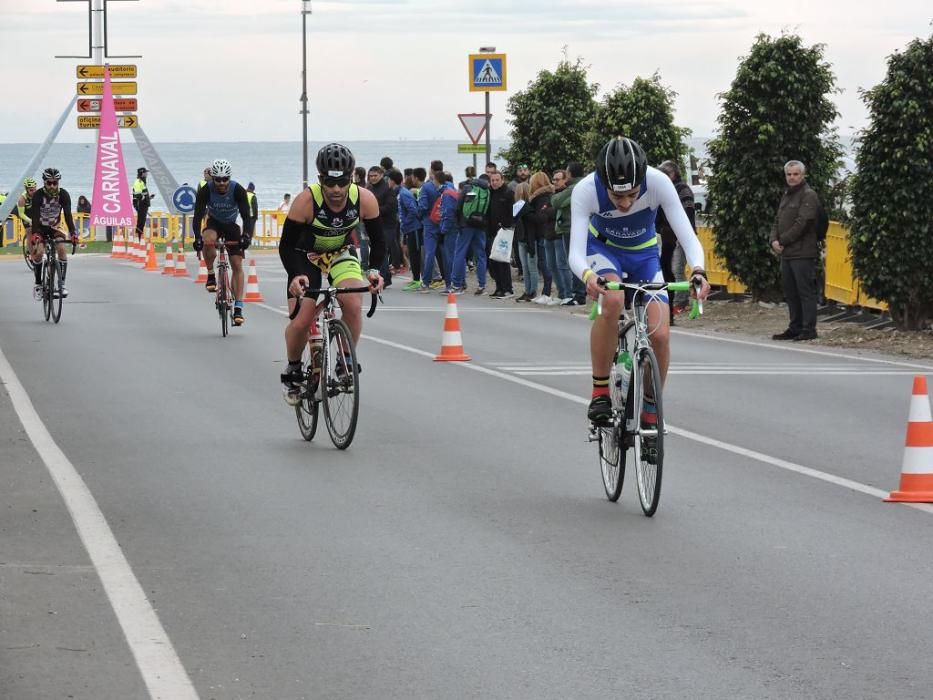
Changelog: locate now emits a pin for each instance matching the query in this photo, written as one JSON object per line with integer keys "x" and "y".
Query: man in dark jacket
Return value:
{"x": 794, "y": 238}
{"x": 388, "y": 214}
{"x": 500, "y": 216}
{"x": 561, "y": 202}
{"x": 673, "y": 260}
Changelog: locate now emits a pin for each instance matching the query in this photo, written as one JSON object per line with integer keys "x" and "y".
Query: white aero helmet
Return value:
{"x": 221, "y": 168}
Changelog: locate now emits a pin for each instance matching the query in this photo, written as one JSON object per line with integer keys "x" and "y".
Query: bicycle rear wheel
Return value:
{"x": 612, "y": 461}
{"x": 307, "y": 408}
{"x": 649, "y": 439}
{"x": 56, "y": 289}
{"x": 341, "y": 390}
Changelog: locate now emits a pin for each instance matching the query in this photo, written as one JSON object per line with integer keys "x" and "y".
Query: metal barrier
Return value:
{"x": 840, "y": 285}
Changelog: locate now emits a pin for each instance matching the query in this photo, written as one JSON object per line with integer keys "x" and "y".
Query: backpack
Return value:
{"x": 475, "y": 205}
{"x": 435, "y": 214}
{"x": 822, "y": 224}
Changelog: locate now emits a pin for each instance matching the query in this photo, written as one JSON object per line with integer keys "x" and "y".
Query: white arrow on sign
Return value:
{"x": 475, "y": 125}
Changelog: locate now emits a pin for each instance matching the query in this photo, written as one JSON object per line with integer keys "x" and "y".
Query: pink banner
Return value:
{"x": 112, "y": 204}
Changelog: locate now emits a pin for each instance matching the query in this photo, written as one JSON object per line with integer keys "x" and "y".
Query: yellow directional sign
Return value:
{"x": 119, "y": 88}
{"x": 126, "y": 71}
{"x": 471, "y": 148}
{"x": 124, "y": 121}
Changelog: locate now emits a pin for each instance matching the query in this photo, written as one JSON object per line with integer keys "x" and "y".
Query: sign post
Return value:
{"x": 487, "y": 74}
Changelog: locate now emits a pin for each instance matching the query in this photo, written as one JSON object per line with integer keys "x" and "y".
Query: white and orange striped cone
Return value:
{"x": 452, "y": 342}
{"x": 202, "y": 272}
{"x": 117, "y": 250}
{"x": 127, "y": 251}
{"x": 917, "y": 469}
{"x": 152, "y": 263}
{"x": 252, "y": 284}
{"x": 135, "y": 253}
{"x": 181, "y": 267}
{"x": 168, "y": 267}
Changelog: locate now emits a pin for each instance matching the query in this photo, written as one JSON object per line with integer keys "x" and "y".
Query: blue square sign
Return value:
{"x": 487, "y": 72}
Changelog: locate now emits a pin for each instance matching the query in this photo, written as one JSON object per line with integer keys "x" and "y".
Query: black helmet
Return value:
{"x": 51, "y": 174}
{"x": 335, "y": 160}
{"x": 621, "y": 165}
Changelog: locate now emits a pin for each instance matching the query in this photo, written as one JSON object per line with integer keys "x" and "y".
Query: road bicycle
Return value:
{"x": 634, "y": 378}
{"x": 331, "y": 375}
{"x": 223, "y": 301}
{"x": 50, "y": 288}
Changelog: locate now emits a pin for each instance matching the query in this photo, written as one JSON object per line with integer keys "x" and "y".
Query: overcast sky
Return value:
{"x": 389, "y": 69}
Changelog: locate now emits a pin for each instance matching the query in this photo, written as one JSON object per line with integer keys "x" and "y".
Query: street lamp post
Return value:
{"x": 305, "y": 11}
{"x": 488, "y": 49}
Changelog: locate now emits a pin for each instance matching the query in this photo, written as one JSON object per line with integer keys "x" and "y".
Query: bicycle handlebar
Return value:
{"x": 330, "y": 291}
{"x": 696, "y": 307}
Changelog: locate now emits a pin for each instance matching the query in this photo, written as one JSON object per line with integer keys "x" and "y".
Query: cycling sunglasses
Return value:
{"x": 221, "y": 179}
{"x": 329, "y": 181}
{"x": 49, "y": 182}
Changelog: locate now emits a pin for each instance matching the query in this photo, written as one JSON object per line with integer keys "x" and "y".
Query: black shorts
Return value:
{"x": 48, "y": 232}
{"x": 229, "y": 232}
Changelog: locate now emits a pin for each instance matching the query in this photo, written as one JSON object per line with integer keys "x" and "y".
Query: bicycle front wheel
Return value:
{"x": 611, "y": 461}
{"x": 306, "y": 410}
{"x": 223, "y": 306}
{"x": 46, "y": 289}
{"x": 341, "y": 390}
{"x": 649, "y": 435}
{"x": 55, "y": 277}
{"x": 29, "y": 263}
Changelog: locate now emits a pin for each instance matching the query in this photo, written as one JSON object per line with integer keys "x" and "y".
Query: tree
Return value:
{"x": 645, "y": 113}
{"x": 550, "y": 117}
{"x": 777, "y": 109}
{"x": 891, "y": 233}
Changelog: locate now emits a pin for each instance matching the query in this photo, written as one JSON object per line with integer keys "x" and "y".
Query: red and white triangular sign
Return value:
{"x": 475, "y": 125}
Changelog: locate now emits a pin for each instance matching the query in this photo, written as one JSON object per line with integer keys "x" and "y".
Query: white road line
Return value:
{"x": 738, "y": 372}
{"x": 161, "y": 669}
{"x": 696, "y": 437}
{"x": 793, "y": 348}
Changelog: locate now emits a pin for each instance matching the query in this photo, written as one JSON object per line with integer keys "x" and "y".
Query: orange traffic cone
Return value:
{"x": 451, "y": 342}
{"x": 181, "y": 267}
{"x": 117, "y": 250}
{"x": 152, "y": 265}
{"x": 917, "y": 468}
{"x": 252, "y": 284}
{"x": 169, "y": 267}
{"x": 202, "y": 272}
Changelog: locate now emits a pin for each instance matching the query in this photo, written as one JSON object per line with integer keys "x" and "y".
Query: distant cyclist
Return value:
{"x": 24, "y": 204}
{"x": 46, "y": 210}
{"x": 612, "y": 233}
{"x": 316, "y": 239}
{"x": 222, "y": 199}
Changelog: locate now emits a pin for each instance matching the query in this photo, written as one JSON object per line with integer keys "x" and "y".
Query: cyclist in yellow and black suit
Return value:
{"x": 316, "y": 238}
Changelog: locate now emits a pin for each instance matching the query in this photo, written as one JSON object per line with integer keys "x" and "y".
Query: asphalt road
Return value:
{"x": 462, "y": 547}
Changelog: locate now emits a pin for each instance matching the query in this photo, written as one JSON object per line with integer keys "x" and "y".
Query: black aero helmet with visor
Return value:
{"x": 621, "y": 165}
{"x": 335, "y": 163}
{"x": 51, "y": 174}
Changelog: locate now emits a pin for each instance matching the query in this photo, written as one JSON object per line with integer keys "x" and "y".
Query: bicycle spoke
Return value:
{"x": 341, "y": 389}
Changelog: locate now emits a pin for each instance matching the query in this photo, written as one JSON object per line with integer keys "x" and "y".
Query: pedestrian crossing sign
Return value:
{"x": 487, "y": 72}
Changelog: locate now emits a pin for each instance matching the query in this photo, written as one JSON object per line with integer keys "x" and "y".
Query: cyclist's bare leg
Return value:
{"x": 604, "y": 333}
{"x": 60, "y": 249}
{"x": 351, "y": 304}
{"x": 210, "y": 248}
{"x": 236, "y": 263}
{"x": 659, "y": 329}
{"x": 296, "y": 332}
{"x": 36, "y": 247}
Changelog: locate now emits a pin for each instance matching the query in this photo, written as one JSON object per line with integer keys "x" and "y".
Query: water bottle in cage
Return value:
{"x": 621, "y": 374}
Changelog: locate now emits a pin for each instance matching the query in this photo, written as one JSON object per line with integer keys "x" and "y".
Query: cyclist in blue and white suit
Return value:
{"x": 612, "y": 235}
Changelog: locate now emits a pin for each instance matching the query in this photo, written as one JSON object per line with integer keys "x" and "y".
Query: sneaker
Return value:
{"x": 424, "y": 289}
{"x": 600, "y": 410}
{"x": 566, "y": 301}
{"x": 291, "y": 386}
{"x": 238, "y": 319}
{"x": 37, "y": 292}
{"x": 498, "y": 295}
{"x": 554, "y": 301}
{"x": 479, "y": 291}
{"x": 804, "y": 335}
{"x": 524, "y": 297}
{"x": 63, "y": 292}
{"x": 457, "y": 290}
{"x": 786, "y": 335}
{"x": 541, "y": 299}
{"x": 412, "y": 286}
{"x": 436, "y": 284}
{"x": 507, "y": 295}
{"x": 211, "y": 284}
